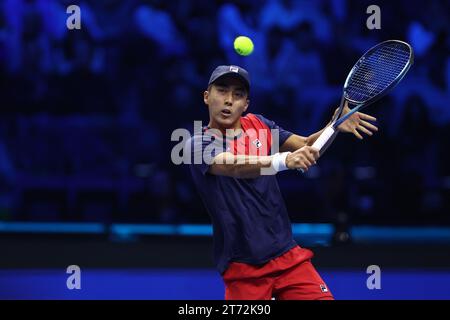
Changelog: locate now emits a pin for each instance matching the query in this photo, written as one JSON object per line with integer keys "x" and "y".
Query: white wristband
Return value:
{"x": 279, "y": 161}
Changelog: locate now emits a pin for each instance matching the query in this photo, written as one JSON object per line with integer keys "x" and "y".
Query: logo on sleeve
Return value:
{"x": 323, "y": 288}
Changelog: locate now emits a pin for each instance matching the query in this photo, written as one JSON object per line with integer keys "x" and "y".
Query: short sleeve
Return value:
{"x": 283, "y": 134}
{"x": 203, "y": 149}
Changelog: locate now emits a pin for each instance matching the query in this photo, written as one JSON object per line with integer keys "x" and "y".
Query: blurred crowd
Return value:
{"x": 87, "y": 115}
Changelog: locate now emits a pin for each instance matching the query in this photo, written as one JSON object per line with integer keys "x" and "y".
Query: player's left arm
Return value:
{"x": 356, "y": 124}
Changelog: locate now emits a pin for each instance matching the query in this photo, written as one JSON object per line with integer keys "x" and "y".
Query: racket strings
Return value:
{"x": 369, "y": 82}
{"x": 377, "y": 71}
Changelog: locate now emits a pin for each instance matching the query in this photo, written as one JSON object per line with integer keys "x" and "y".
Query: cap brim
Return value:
{"x": 235, "y": 74}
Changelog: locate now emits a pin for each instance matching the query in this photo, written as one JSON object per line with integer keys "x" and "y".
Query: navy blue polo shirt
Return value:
{"x": 249, "y": 217}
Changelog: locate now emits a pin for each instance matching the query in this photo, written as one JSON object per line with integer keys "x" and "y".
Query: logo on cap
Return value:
{"x": 234, "y": 69}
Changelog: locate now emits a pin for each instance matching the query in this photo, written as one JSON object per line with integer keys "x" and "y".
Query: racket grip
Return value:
{"x": 323, "y": 138}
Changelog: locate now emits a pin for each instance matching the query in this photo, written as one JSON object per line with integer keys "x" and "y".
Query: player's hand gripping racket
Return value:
{"x": 377, "y": 72}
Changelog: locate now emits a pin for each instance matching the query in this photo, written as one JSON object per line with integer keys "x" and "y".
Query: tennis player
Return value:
{"x": 254, "y": 248}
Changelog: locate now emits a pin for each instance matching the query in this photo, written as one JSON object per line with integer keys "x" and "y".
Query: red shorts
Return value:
{"x": 290, "y": 276}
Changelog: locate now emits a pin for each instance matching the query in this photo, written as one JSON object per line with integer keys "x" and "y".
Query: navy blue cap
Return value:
{"x": 221, "y": 71}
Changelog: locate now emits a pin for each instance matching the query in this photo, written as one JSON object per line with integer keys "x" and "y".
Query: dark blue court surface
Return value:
{"x": 205, "y": 284}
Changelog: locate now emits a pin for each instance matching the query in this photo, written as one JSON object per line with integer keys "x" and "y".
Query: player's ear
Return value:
{"x": 246, "y": 106}
{"x": 205, "y": 96}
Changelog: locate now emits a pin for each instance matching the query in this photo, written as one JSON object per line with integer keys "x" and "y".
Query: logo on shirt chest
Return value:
{"x": 257, "y": 143}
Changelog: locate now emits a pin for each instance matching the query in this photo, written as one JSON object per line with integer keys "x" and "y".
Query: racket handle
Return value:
{"x": 323, "y": 138}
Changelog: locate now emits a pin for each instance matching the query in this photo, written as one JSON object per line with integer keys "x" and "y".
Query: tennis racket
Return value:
{"x": 377, "y": 72}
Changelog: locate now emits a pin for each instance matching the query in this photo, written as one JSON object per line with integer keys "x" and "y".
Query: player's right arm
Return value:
{"x": 243, "y": 166}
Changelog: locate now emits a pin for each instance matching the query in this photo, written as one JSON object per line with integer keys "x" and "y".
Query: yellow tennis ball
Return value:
{"x": 243, "y": 45}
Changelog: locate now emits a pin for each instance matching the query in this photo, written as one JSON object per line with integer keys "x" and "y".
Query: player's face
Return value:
{"x": 227, "y": 99}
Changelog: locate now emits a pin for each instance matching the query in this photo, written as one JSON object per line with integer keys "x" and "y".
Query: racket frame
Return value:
{"x": 362, "y": 104}
{"x": 331, "y": 130}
